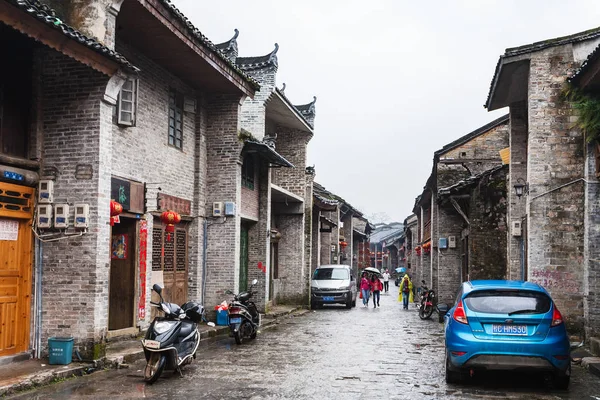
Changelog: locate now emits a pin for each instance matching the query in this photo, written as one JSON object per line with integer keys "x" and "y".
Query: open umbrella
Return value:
{"x": 372, "y": 270}
{"x": 400, "y": 270}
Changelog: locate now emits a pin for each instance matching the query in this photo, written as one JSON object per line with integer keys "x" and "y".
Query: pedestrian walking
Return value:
{"x": 406, "y": 287}
{"x": 365, "y": 289}
{"x": 376, "y": 287}
{"x": 386, "y": 280}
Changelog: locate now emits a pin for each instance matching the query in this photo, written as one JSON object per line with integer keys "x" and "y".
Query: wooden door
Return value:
{"x": 464, "y": 244}
{"x": 274, "y": 267}
{"x": 169, "y": 256}
{"x": 16, "y": 204}
{"x": 244, "y": 258}
{"x": 122, "y": 275}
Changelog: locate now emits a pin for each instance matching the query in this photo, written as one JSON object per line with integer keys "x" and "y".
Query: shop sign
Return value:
{"x": 179, "y": 205}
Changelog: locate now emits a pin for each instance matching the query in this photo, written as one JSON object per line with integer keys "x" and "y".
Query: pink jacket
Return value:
{"x": 365, "y": 284}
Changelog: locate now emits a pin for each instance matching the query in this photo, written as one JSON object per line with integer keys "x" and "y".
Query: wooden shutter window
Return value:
{"x": 157, "y": 249}
{"x": 128, "y": 103}
{"x": 181, "y": 250}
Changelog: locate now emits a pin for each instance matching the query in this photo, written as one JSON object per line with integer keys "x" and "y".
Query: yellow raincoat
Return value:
{"x": 410, "y": 289}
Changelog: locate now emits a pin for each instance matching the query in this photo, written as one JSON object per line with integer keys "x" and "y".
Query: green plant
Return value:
{"x": 587, "y": 106}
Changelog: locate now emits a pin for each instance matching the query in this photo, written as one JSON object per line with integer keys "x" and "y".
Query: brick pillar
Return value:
{"x": 591, "y": 304}
{"x": 223, "y": 184}
{"x": 555, "y": 158}
{"x": 518, "y": 170}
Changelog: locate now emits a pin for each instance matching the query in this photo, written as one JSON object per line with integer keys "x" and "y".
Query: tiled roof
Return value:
{"x": 295, "y": 108}
{"x": 591, "y": 59}
{"x": 471, "y": 180}
{"x": 537, "y": 46}
{"x": 47, "y": 15}
{"x": 205, "y": 41}
{"x": 230, "y": 43}
{"x": 474, "y": 134}
{"x": 307, "y": 110}
{"x": 249, "y": 63}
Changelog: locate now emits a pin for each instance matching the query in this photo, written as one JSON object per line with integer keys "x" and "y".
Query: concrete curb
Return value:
{"x": 42, "y": 378}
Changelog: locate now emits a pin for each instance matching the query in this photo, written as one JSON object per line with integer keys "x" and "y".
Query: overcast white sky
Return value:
{"x": 395, "y": 79}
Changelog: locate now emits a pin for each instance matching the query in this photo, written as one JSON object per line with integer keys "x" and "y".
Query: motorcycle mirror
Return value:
{"x": 254, "y": 282}
{"x": 423, "y": 282}
{"x": 228, "y": 292}
{"x": 157, "y": 288}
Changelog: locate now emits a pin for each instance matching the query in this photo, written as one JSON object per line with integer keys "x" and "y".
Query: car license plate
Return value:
{"x": 518, "y": 330}
{"x": 327, "y": 298}
{"x": 235, "y": 320}
{"x": 152, "y": 344}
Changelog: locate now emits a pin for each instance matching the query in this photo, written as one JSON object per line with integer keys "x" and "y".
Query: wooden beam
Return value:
{"x": 41, "y": 32}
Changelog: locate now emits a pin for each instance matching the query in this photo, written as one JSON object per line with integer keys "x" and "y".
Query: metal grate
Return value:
{"x": 156, "y": 249}
{"x": 14, "y": 200}
{"x": 181, "y": 245}
{"x": 169, "y": 252}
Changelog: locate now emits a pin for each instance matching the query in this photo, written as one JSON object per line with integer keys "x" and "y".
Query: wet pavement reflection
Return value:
{"x": 332, "y": 353}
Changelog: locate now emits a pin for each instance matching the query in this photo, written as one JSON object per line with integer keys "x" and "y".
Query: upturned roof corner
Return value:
{"x": 252, "y": 63}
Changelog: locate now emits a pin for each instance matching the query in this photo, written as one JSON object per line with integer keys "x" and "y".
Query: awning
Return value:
{"x": 326, "y": 220}
{"x": 266, "y": 152}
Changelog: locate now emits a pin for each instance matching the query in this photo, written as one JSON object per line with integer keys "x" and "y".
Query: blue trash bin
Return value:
{"x": 222, "y": 317}
{"x": 60, "y": 350}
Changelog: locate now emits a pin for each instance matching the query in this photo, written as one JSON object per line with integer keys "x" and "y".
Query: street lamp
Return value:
{"x": 520, "y": 187}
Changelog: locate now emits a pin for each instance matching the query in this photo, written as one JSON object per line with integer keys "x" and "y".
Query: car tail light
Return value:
{"x": 557, "y": 318}
{"x": 459, "y": 313}
{"x": 234, "y": 310}
{"x": 561, "y": 357}
{"x": 458, "y": 353}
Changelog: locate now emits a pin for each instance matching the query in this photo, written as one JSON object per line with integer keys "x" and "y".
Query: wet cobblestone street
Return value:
{"x": 333, "y": 353}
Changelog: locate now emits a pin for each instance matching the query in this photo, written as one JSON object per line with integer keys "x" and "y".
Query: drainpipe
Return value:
{"x": 38, "y": 299}
{"x": 204, "y": 247}
{"x": 522, "y": 246}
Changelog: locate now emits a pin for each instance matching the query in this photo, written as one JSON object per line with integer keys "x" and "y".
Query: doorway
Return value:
{"x": 15, "y": 267}
{"x": 244, "y": 258}
{"x": 121, "y": 305}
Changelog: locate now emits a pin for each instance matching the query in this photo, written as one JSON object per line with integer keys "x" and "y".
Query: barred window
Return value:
{"x": 169, "y": 252}
{"x": 175, "y": 119}
{"x": 248, "y": 172}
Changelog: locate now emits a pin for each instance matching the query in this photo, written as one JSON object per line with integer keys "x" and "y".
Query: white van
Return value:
{"x": 333, "y": 284}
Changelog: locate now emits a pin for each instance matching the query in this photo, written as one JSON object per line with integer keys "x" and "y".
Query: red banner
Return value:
{"x": 143, "y": 245}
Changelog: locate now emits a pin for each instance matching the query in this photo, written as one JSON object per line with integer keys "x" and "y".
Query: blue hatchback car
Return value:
{"x": 506, "y": 325}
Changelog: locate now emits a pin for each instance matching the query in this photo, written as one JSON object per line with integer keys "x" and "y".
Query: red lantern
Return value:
{"x": 170, "y": 218}
{"x": 343, "y": 244}
{"x": 115, "y": 210}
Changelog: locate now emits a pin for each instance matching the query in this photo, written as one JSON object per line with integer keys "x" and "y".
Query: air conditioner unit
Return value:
{"x": 44, "y": 216}
{"x": 82, "y": 216}
{"x": 46, "y": 191}
{"x": 217, "y": 209}
{"x": 61, "y": 215}
{"x": 516, "y": 228}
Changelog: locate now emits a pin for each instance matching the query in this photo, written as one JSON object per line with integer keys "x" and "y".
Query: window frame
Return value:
{"x": 249, "y": 172}
{"x": 176, "y": 102}
{"x": 134, "y": 103}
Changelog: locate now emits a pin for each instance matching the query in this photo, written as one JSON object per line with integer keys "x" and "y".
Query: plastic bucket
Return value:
{"x": 222, "y": 317}
{"x": 60, "y": 350}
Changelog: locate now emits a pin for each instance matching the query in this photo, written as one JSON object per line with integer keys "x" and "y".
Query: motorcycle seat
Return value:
{"x": 186, "y": 328}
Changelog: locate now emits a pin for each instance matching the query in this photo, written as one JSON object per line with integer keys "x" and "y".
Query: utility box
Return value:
{"x": 82, "y": 215}
{"x": 443, "y": 243}
{"x": 46, "y": 191}
{"x": 61, "y": 215}
{"x": 44, "y": 216}
{"x": 452, "y": 242}
{"x": 515, "y": 228}
{"x": 217, "y": 209}
{"x": 229, "y": 209}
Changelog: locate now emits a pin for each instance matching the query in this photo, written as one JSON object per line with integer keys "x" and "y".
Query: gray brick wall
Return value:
{"x": 555, "y": 157}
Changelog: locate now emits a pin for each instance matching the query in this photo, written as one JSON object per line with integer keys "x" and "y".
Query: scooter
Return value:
{"x": 428, "y": 298}
{"x": 244, "y": 318}
{"x": 171, "y": 341}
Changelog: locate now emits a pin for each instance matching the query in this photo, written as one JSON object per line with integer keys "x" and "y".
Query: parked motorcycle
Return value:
{"x": 244, "y": 318}
{"x": 428, "y": 299}
{"x": 171, "y": 340}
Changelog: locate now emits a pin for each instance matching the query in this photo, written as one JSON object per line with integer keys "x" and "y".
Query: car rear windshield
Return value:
{"x": 331, "y": 274}
{"x": 508, "y": 301}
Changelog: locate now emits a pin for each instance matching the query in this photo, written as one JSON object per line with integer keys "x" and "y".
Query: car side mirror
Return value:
{"x": 157, "y": 288}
